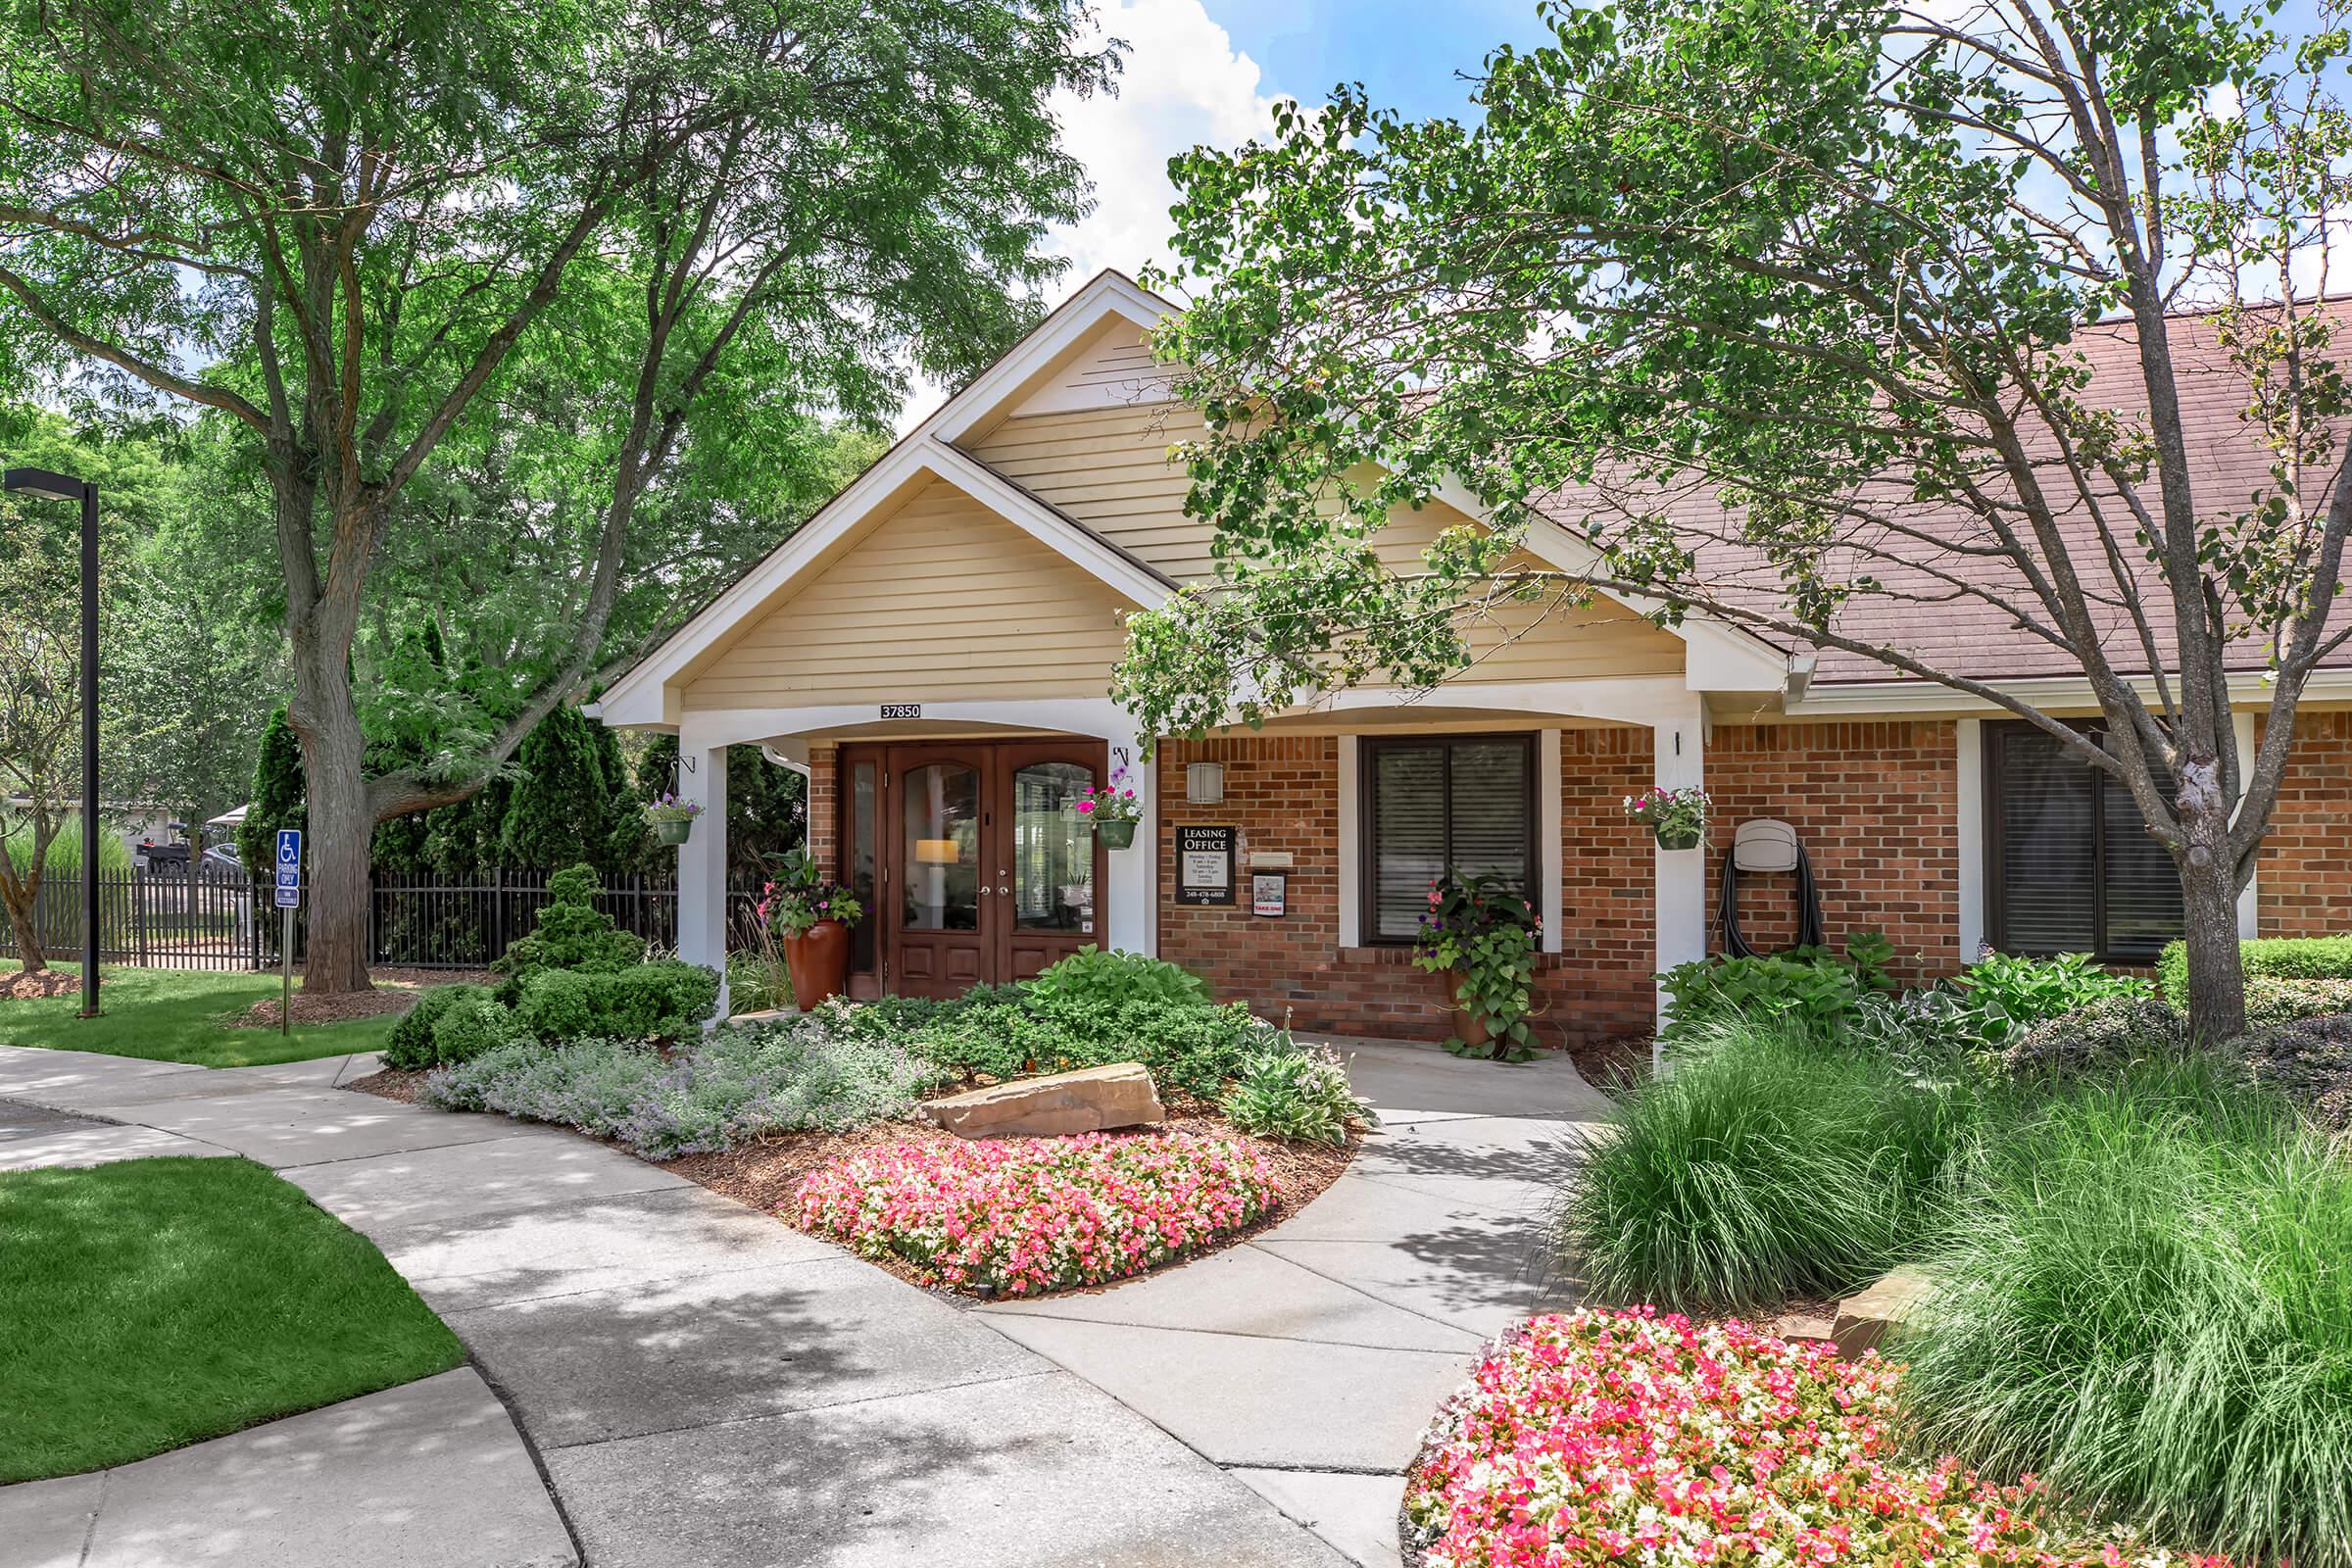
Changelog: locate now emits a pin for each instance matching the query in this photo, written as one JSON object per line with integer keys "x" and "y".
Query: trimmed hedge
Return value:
{"x": 411, "y": 1045}
{"x": 2265, "y": 958}
{"x": 660, "y": 1000}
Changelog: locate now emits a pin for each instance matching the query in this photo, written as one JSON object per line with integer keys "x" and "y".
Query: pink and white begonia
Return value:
{"x": 1016, "y": 1217}
{"x": 1593, "y": 1437}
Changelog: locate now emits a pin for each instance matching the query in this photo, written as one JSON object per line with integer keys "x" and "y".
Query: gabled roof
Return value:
{"x": 1721, "y": 656}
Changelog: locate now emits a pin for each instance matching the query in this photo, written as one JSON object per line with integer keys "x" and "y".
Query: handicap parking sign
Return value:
{"x": 289, "y": 867}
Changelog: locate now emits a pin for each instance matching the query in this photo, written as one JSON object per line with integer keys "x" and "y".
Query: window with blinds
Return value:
{"x": 2072, "y": 866}
{"x": 1459, "y": 805}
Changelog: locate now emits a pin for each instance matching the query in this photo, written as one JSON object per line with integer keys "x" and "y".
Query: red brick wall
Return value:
{"x": 1282, "y": 793}
{"x": 2303, "y": 882}
{"x": 1877, "y": 808}
{"x": 825, "y": 805}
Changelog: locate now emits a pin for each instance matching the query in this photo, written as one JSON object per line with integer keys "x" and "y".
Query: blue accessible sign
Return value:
{"x": 289, "y": 867}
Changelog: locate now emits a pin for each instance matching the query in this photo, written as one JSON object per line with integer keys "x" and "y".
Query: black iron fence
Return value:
{"x": 160, "y": 919}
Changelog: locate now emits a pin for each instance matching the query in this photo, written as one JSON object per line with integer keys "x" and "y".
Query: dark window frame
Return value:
{"x": 1367, "y": 816}
{"x": 1997, "y": 733}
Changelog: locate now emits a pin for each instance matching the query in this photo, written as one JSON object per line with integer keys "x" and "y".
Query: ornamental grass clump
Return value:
{"x": 1767, "y": 1164}
{"x": 1596, "y": 1437}
{"x": 1019, "y": 1216}
{"x": 2150, "y": 1305}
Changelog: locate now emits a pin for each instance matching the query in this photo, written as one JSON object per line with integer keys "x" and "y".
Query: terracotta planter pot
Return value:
{"x": 674, "y": 831}
{"x": 1469, "y": 1027}
{"x": 818, "y": 961}
{"x": 1115, "y": 834}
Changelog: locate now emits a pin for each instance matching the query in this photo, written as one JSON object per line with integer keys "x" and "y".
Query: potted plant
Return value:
{"x": 1480, "y": 937}
{"x": 672, "y": 818}
{"x": 809, "y": 916}
{"x": 1677, "y": 816}
{"x": 1112, "y": 809}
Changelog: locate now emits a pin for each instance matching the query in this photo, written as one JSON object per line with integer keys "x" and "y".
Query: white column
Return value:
{"x": 2249, "y": 904}
{"x": 1350, "y": 878}
{"x": 1968, "y": 759}
{"x": 702, "y": 862}
{"x": 1547, "y": 837}
{"x": 1127, "y": 908}
{"x": 1679, "y": 761}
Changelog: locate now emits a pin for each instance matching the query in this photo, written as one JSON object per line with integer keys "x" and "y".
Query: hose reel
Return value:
{"x": 1764, "y": 845}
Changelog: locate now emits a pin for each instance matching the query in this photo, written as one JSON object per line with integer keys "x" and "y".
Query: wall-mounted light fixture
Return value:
{"x": 1204, "y": 783}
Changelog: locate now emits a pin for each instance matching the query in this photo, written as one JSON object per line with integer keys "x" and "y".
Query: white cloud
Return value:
{"x": 1184, "y": 84}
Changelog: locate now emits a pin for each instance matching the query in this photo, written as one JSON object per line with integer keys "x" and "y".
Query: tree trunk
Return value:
{"x": 2216, "y": 976}
{"x": 339, "y": 832}
{"x": 22, "y": 925}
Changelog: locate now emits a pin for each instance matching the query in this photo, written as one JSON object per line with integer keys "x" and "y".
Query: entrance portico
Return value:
{"x": 935, "y": 651}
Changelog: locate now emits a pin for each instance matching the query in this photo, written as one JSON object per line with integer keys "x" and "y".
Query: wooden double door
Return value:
{"x": 972, "y": 859}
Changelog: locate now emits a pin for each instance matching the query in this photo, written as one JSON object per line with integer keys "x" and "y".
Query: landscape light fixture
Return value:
{"x": 43, "y": 486}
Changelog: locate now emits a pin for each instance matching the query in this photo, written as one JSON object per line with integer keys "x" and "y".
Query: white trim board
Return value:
{"x": 643, "y": 695}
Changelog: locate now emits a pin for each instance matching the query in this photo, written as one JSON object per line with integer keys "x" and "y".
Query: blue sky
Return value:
{"x": 1408, "y": 54}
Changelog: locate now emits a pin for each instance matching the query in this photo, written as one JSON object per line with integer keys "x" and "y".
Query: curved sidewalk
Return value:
{"x": 704, "y": 1386}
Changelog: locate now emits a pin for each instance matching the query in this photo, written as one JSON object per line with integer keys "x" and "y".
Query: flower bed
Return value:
{"x": 1020, "y": 1216}
{"x": 1596, "y": 1437}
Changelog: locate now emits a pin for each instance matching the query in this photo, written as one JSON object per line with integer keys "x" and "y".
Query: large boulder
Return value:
{"x": 1868, "y": 1320}
{"x": 1090, "y": 1101}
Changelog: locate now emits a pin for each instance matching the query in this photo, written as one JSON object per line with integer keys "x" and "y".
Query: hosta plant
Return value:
{"x": 1017, "y": 1216}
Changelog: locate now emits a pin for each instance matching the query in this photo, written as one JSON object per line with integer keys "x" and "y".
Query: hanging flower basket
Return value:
{"x": 672, "y": 818}
{"x": 1679, "y": 817}
{"x": 1111, "y": 810}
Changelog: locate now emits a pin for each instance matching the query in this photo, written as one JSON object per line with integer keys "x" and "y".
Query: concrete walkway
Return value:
{"x": 1306, "y": 1361}
{"x": 703, "y": 1385}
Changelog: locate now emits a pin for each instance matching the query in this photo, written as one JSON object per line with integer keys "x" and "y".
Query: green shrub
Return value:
{"x": 569, "y": 933}
{"x": 409, "y": 1044}
{"x": 1117, "y": 977}
{"x": 1766, "y": 1163}
{"x": 1809, "y": 988}
{"x": 2270, "y": 1002}
{"x": 471, "y": 1026}
{"x": 2110, "y": 1032}
{"x": 662, "y": 1000}
{"x": 2308, "y": 1061}
{"x": 2148, "y": 1306}
{"x": 2271, "y": 958}
{"x": 1299, "y": 1096}
{"x": 1006, "y": 1031}
{"x": 2007, "y": 996}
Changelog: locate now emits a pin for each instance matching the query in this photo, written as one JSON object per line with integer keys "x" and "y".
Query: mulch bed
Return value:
{"x": 391, "y": 1084}
{"x": 22, "y": 987}
{"x": 309, "y": 1009}
{"x": 765, "y": 1175}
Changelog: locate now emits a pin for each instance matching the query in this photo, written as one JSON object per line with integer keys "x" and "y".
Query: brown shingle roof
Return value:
{"x": 1928, "y": 620}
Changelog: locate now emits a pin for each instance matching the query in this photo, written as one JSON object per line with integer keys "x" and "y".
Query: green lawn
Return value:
{"x": 176, "y": 1016}
{"x": 156, "y": 1302}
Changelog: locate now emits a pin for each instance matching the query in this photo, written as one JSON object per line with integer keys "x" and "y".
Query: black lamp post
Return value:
{"x": 62, "y": 487}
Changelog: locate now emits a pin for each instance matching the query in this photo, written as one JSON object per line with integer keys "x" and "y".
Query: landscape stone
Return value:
{"x": 1866, "y": 1321}
{"x": 1089, "y": 1101}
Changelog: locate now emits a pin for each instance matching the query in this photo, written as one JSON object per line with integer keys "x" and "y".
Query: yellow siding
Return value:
{"x": 943, "y": 601}
{"x": 1109, "y": 468}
